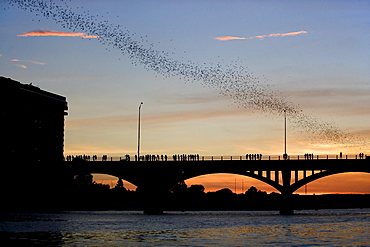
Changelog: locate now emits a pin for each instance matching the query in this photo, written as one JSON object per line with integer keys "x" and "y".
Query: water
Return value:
{"x": 226, "y": 228}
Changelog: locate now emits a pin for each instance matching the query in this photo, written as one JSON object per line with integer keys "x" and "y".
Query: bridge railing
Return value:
{"x": 210, "y": 158}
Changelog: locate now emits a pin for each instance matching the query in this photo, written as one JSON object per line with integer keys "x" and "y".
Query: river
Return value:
{"x": 349, "y": 227}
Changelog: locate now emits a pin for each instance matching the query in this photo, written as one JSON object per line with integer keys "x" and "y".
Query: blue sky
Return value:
{"x": 324, "y": 72}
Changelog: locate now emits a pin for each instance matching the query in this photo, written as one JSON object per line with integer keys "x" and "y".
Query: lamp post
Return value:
{"x": 285, "y": 156}
{"x": 138, "y": 134}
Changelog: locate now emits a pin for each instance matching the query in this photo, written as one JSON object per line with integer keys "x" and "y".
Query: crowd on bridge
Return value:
{"x": 82, "y": 158}
{"x": 308, "y": 156}
{"x": 185, "y": 157}
{"x": 85, "y": 157}
{"x": 361, "y": 155}
{"x": 253, "y": 156}
{"x": 151, "y": 157}
{"x": 175, "y": 157}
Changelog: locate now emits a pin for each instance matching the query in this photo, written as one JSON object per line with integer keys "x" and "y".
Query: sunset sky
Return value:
{"x": 313, "y": 56}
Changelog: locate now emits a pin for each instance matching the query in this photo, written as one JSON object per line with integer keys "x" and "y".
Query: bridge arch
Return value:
{"x": 112, "y": 180}
{"x": 104, "y": 170}
{"x": 297, "y": 185}
{"x": 260, "y": 178}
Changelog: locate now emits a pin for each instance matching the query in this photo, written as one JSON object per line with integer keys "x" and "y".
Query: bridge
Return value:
{"x": 154, "y": 178}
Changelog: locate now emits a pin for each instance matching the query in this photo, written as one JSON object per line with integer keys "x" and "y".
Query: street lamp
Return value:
{"x": 285, "y": 156}
{"x": 138, "y": 134}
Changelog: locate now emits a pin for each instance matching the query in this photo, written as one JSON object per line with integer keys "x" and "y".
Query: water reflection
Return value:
{"x": 346, "y": 227}
{"x": 31, "y": 239}
{"x": 160, "y": 237}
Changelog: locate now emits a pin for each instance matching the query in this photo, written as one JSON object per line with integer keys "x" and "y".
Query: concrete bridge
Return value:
{"x": 154, "y": 177}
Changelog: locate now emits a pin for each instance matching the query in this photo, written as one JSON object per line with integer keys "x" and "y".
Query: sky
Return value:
{"x": 214, "y": 77}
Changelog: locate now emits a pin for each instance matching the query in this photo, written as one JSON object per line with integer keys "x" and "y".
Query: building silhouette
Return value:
{"x": 32, "y": 123}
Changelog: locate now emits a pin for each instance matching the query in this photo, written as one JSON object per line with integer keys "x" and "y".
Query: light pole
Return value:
{"x": 138, "y": 134}
{"x": 285, "y": 156}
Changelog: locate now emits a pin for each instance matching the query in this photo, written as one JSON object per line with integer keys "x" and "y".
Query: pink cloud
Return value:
{"x": 55, "y": 33}
{"x": 36, "y": 62}
{"x": 225, "y": 38}
{"x": 26, "y": 61}
{"x": 278, "y": 35}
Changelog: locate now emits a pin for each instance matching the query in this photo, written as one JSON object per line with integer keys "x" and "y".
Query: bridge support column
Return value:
{"x": 152, "y": 199}
{"x": 286, "y": 203}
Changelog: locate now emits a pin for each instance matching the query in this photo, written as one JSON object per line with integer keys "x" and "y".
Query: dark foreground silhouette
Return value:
{"x": 35, "y": 191}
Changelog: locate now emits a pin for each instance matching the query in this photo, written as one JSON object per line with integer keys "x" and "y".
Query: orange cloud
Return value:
{"x": 90, "y": 36}
{"x": 36, "y": 62}
{"x": 225, "y": 38}
{"x": 27, "y": 61}
{"x": 161, "y": 119}
{"x": 55, "y": 33}
{"x": 22, "y": 66}
{"x": 278, "y": 35}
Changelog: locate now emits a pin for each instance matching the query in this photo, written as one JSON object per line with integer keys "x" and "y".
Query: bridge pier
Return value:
{"x": 152, "y": 202}
{"x": 153, "y": 210}
{"x": 153, "y": 198}
{"x": 286, "y": 203}
{"x": 287, "y": 211}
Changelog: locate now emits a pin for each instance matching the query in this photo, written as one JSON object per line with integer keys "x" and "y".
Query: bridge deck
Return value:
{"x": 293, "y": 164}
{"x": 215, "y": 158}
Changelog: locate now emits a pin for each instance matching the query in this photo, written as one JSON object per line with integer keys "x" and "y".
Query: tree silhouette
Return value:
{"x": 252, "y": 191}
{"x": 224, "y": 192}
{"x": 83, "y": 180}
{"x": 179, "y": 188}
{"x": 119, "y": 184}
{"x": 196, "y": 189}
